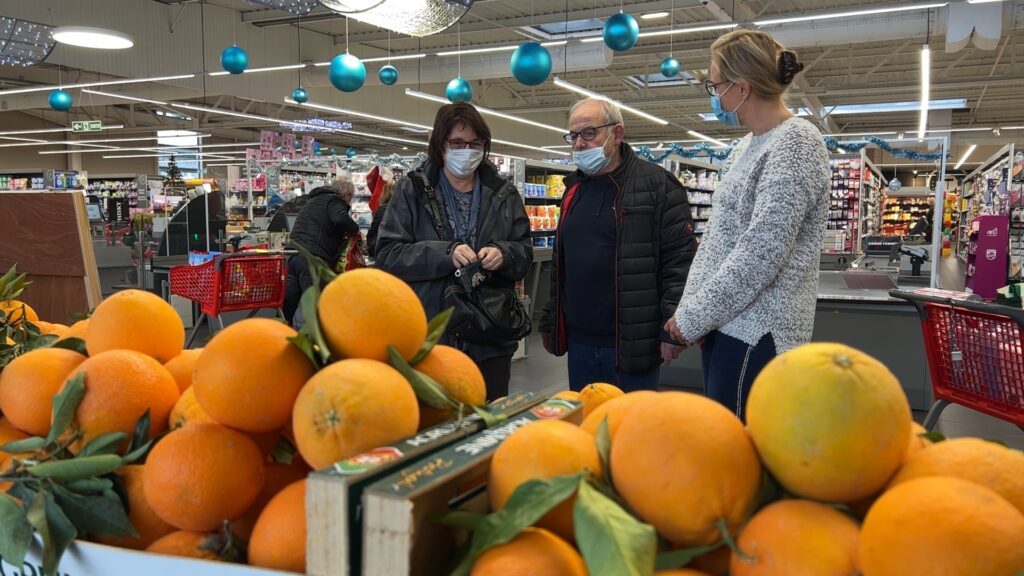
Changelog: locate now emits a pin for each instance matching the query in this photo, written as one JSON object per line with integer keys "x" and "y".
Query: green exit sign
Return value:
{"x": 87, "y": 126}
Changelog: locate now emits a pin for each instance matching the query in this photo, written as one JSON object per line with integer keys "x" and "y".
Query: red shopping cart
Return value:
{"x": 231, "y": 282}
{"x": 975, "y": 354}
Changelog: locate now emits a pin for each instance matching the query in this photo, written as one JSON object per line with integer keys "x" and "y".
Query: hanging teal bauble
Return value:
{"x": 351, "y": 152}
{"x": 670, "y": 67}
{"x": 300, "y": 95}
{"x": 530, "y": 63}
{"x": 621, "y": 32}
{"x": 459, "y": 90}
{"x": 60, "y": 100}
{"x": 333, "y": 151}
{"x": 388, "y": 75}
{"x": 895, "y": 184}
{"x": 347, "y": 73}
{"x": 234, "y": 60}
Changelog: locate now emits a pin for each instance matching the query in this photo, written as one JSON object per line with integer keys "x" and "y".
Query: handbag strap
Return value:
{"x": 433, "y": 206}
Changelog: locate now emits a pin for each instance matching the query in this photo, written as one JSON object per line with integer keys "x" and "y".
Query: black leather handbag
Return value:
{"x": 484, "y": 313}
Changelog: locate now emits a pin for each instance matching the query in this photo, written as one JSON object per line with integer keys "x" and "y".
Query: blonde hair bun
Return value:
{"x": 757, "y": 59}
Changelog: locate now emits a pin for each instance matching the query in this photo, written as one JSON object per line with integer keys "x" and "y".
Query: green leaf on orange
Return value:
{"x": 15, "y": 531}
{"x": 612, "y": 542}
{"x": 64, "y": 405}
{"x": 435, "y": 331}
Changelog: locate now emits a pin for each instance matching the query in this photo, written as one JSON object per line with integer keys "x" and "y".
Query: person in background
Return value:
{"x": 753, "y": 286}
{"x": 480, "y": 210}
{"x": 622, "y": 254}
{"x": 378, "y": 215}
{"x": 321, "y": 229}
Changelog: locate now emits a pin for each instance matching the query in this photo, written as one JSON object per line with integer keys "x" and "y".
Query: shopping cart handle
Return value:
{"x": 219, "y": 259}
{"x": 974, "y": 302}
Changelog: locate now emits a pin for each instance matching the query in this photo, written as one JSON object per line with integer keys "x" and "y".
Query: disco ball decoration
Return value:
{"x": 895, "y": 184}
{"x": 621, "y": 32}
{"x": 234, "y": 60}
{"x": 388, "y": 75}
{"x": 418, "y": 18}
{"x": 530, "y": 64}
{"x": 347, "y": 73}
{"x": 458, "y": 90}
{"x": 300, "y": 95}
{"x": 670, "y": 67}
{"x": 300, "y": 7}
{"x": 351, "y": 152}
{"x": 60, "y": 100}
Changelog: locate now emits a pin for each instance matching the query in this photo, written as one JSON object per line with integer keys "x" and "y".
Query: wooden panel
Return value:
{"x": 54, "y": 297}
{"x": 39, "y": 233}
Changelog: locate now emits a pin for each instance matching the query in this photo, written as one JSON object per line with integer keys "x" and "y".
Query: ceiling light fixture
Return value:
{"x": 158, "y": 148}
{"x": 488, "y": 111}
{"x": 264, "y": 69}
{"x": 495, "y": 49}
{"x": 528, "y": 147}
{"x": 380, "y": 59}
{"x": 687, "y": 30}
{"x": 91, "y": 84}
{"x": 581, "y": 90}
{"x": 707, "y": 138}
{"x": 78, "y": 142}
{"x": 123, "y": 97}
{"x": 844, "y": 134}
{"x": 654, "y": 15}
{"x": 983, "y": 1}
{"x": 89, "y": 37}
{"x": 17, "y": 139}
{"x": 926, "y": 73}
{"x": 219, "y": 155}
{"x": 54, "y": 130}
{"x": 848, "y": 14}
{"x": 327, "y": 108}
{"x": 966, "y": 155}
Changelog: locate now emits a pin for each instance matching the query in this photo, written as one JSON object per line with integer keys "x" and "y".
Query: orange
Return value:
{"x": 614, "y": 410}
{"x": 568, "y": 395}
{"x": 593, "y": 395}
{"x": 541, "y": 450}
{"x": 680, "y": 572}
{"x": 279, "y": 537}
{"x": 388, "y": 313}
{"x": 714, "y": 563}
{"x": 460, "y": 377}
{"x": 183, "y": 366}
{"x": 350, "y": 407}
{"x": 980, "y": 461}
{"x": 188, "y": 411}
{"x": 830, "y": 423}
{"x": 15, "y": 311}
{"x": 8, "y": 434}
{"x": 682, "y": 462}
{"x": 942, "y": 526}
{"x": 917, "y": 442}
{"x": 78, "y": 330}
{"x": 249, "y": 375}
{"x": 534, "y": 552}
{"x": 28, "y": 383}
{"x": 145, "y": 521}
{"x": 797, "y": 537}
{"x": 275, "y": 478}
{"x": 136, "y": 320}
{"x": 188, "y": 545}
{"x": 120, "y": 385}
{"x": 201, "y": 475}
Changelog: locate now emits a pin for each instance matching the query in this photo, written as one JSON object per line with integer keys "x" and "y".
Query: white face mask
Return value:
{"x": 592, "y": 160}
{"x": 463, "y": 163}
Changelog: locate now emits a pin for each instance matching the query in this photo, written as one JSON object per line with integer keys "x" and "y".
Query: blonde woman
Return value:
{"x": 752, "y": 289}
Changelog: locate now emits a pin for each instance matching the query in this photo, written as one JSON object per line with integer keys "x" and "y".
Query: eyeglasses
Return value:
{"x": 587, "y": 134}
{"x": 712, "y": 87}
{"x": 459, "y": 144}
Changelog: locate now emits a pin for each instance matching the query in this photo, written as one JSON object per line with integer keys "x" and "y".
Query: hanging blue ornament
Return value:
{"x": 670, "y": 67}
{"x": 351, "y": 152}
{"x": 458, "y": 90}
{"x": 60, "y": 100}
{"x": 347, "y": 73}
{"x": 300, "y": 95}
{"x": 234, "y": 60}
{"x": 895, "y": 184}
{"x": 621, "y": 32}
{"x": 333, "y": 151}
{"x": 388, "y": 75}
{"x": 530, "y": 63}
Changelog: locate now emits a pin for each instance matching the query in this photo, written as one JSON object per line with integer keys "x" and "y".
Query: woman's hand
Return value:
{"x": 672, "y": 327}
{"x": 491, "y": 259}
{"x": 463, "y": 256}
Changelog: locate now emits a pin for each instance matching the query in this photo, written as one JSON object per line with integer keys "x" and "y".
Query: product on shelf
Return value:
{"x": 844, "y": 205}
{"x": 900, "y": 214}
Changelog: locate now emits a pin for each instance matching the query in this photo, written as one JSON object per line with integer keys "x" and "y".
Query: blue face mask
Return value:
{"x": 592, "y": 160}
{"x": 724, "y": 116}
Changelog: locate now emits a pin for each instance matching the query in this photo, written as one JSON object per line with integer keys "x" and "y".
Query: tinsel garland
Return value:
{"x": 703, "y": 149}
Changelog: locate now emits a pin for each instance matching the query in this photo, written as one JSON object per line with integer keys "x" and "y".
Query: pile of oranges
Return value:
{"x": 219, "y": 412}
{"x": 858, "y": 488}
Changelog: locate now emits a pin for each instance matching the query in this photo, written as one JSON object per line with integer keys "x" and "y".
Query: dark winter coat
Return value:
{"x": 323, "y": 223}
{"x": 655, "y": 246}
{"x": 408, "y": 246}
{"x": 374, "y": 231}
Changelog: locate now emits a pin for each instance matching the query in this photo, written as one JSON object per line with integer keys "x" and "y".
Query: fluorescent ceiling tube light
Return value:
{"x": 940, "y": 131}
{"x": 18, "y": 139}
{"x": 89, "y": 37}
{"x": 528, "y": 147}
{"x": 488, "y": 111}
{"x": 54, "y": 130}
{"x": 77, "y": 142}
{"x": 495, "y": 49}
{"x": 123, "y": 97}
{"x": 581, "y": 90}
{"x": 326, "y": 108}
{"x": 706, "y": 138}
{"x": 182, "y": 154}
{"x": 849, "y": 14}
{"x": 966, "y": 155}
{"x": 654, "y": 15}
{"x": 926, "y": 65}
{"x": 843, "y": 135}
{"x": 264, "y": 69}
{"x": 383, "y": 59}
{"x": 90, "y": 84}
{"x": 982, "y": 1}
{"x": 691, "y": 30}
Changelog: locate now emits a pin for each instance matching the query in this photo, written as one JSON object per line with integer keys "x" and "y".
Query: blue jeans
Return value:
{"x": 730, "y": 367}
{"x": 590, "y": 364}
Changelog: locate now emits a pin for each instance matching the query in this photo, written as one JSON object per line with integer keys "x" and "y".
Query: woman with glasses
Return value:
{"x": 753, "y": 286}
{"x": 456, "y": 213}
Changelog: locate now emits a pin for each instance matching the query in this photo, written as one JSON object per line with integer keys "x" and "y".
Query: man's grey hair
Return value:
{"x": 611, "y": 111}
{"x": 343, "y": 186}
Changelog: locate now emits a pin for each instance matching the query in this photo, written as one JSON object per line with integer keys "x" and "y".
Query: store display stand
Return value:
{"x": 978, "y": 190}
{"x": 986, "y": 255}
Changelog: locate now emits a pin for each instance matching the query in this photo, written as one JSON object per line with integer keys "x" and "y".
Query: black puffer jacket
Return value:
{"x": 408, "y": 245}
{"x": 323, "y": 223}
{"x": 655, "y": 246}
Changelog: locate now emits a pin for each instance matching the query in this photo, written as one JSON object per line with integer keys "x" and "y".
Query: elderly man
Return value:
{"x": 320, "y": 228}
{"x": 622, "y": 253}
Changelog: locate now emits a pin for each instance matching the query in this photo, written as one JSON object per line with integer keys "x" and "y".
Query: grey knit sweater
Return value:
{"x": 757, "y": 267}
